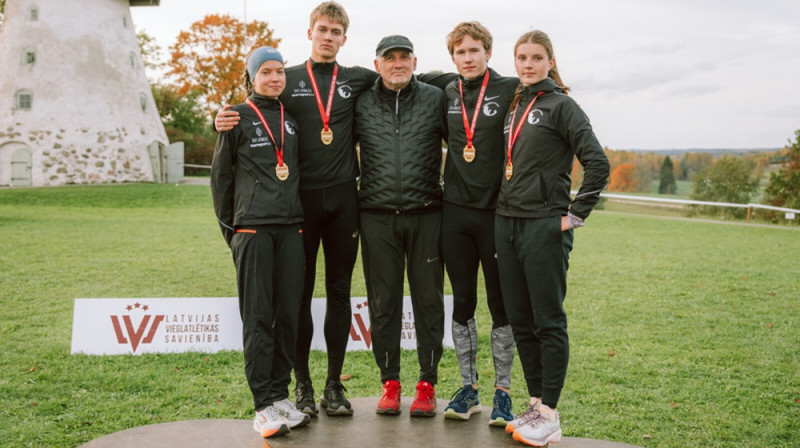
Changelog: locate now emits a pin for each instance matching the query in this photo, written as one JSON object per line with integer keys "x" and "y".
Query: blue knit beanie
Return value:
{"x": 259, "y": 56}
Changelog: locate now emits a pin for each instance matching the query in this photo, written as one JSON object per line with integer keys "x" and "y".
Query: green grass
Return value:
{"x": 683, "y": 333}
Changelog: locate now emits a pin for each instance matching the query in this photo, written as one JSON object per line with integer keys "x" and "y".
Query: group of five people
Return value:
{"x": 287, "y": 177}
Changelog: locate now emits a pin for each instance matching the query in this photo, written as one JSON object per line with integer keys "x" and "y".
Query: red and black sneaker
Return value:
{"x": 424, "y": 404}
{"x": 389, "y": 404}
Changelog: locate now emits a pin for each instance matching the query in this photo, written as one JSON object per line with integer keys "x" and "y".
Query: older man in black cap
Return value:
{"x": 400, "y": 125}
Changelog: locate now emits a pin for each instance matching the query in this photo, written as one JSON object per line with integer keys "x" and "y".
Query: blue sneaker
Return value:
{"x": 463, "y": 403}
{"x": 501, "y": 412}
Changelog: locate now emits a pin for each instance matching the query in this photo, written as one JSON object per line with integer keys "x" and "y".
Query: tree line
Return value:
{"x": 204, "y": 71}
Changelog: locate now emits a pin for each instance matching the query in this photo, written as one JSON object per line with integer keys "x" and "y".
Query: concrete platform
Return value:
{"x": 364, "y": 429}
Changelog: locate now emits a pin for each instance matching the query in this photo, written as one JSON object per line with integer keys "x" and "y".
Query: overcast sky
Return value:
{"x": 651, "y": 74}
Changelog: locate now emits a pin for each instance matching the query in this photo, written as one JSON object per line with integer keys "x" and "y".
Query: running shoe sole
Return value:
{"x": 388, "y": 411}
{"x": 309, "y": 411}
{"x": 265, "y": 433}
{"x": 341, "y": 410}
{"x": 499, "y": 422}
{"x": 463, "y": 416}
{"x": 418, "y": 413}
{"x": 552, "y": 438}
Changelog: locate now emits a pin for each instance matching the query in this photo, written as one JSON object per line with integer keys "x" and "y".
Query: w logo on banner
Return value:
{"x": 127, "y": 334}
{"x": 359, "y": 331}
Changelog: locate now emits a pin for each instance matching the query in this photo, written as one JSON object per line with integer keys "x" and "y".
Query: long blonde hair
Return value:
{"x": 541, "y": 38}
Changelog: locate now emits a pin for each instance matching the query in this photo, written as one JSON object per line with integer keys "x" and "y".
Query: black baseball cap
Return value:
{"x": 393, "y": 42}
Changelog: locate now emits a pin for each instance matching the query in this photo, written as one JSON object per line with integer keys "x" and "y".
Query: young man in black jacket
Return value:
{"x": 477, "y": 102}
{"x": 400, "y": 126}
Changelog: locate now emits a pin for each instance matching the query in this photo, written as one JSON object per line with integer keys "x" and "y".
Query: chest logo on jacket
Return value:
{"x": 535, "y": 116}
{"x": 289, "y": 128}
{"x": 490, "y": 107}
{"x": 344, "y": 90}
{"x": 301, "y": 90}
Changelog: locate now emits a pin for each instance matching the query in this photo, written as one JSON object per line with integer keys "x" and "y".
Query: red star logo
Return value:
{"x": 366, "y": 304}
{"x": 137, "y": 305}
{"x": 358, "y": 307}
{"x": 145, "y": 307}
{"x": 128, "y": 307}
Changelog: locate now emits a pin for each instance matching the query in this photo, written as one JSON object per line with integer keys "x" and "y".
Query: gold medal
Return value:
{"x": 282, "y": 171}
{"x": 326, "y": 136}
{"x": 469, "y": 153}
{"x": 509, "y": 171}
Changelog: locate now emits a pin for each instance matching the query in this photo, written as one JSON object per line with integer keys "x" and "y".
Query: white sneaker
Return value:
{"x": 292, "y": 417}
{"x": 520, "y": 419}
{"x": 542, "y": 430}
{"x": 269, "y": 423}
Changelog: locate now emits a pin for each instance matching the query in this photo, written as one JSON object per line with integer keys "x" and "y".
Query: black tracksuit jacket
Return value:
{"x": 244, "y": 186}
{"x": 401, "y": 151}
{"x": 322, "y": 165}
{"x": 477, "y": 183}
{"x": 555, "y": 132}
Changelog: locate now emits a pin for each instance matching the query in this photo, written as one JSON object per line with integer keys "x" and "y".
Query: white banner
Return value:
{"x": 136, "y": 326}
{"x": 360, "y": 328}
{"x": 174, "y": 325}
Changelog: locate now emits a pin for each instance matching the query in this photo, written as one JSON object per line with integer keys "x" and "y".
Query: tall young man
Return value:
{"x": 477, "y": 103}
{"x": 400, "y": 125}
{"x": 321, "y": 96}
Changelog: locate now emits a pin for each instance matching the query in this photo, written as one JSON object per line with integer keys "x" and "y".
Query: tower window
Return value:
{"x": 29, "y": 56}
{"x": 23, "y": 99}
{"x": 132, "y": 57}
{"x": 33, "y": 14}
{"x": 143, "y": 101}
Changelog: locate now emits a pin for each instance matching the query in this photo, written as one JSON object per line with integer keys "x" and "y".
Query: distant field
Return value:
{"x": 684, "y": 333}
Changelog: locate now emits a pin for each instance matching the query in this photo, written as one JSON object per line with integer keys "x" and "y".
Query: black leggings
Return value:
{"x": 331, "y": 217}
{"x": 468, "y": 239}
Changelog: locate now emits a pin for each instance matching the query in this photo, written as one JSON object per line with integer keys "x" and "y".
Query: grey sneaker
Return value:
{"x": 540, "y": 431}
{"x": 292, "y": 417}
{"x": 269, "y": 423}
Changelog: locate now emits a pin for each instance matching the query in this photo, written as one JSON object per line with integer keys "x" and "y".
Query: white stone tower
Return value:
{"x": 75, "y": 105}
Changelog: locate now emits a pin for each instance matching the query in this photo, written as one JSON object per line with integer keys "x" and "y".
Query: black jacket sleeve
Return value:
{"x": 590, "y": 155}
{"x": 222, "y": 182}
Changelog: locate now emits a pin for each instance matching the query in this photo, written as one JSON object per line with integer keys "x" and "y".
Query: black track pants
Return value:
{"x": 331, "y": 217}
{"x": 533, "y": 258}
{"x": 388, "y": 241}
{"x": 468, "y": 240}
{"x": 269, "y": 276}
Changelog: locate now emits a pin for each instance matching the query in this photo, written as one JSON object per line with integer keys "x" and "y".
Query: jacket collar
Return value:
{"x": 264, "y": 102}
{"x": 322, "y": 67}
{"x": 545, "y": 85}
{"x": 478, "y": 81}
{"x": 404, "y": 92}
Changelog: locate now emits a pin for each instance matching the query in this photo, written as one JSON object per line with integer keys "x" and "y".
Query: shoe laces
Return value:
{"x": 502, "y": 401}
{"x": 462, "y": 394}
{"x": 336, "y": 388}
{"x": 425, "y": 391}
{"x": 391, "y": 389}
{"x": 528, "y": 415}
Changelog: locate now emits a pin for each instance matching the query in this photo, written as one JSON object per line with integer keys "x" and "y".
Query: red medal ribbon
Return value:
{"x": 325, "y": 114}
{"x": 278, "y": 151}
{"x": 470, "y": 130}
{"x": 512, "y": 138}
